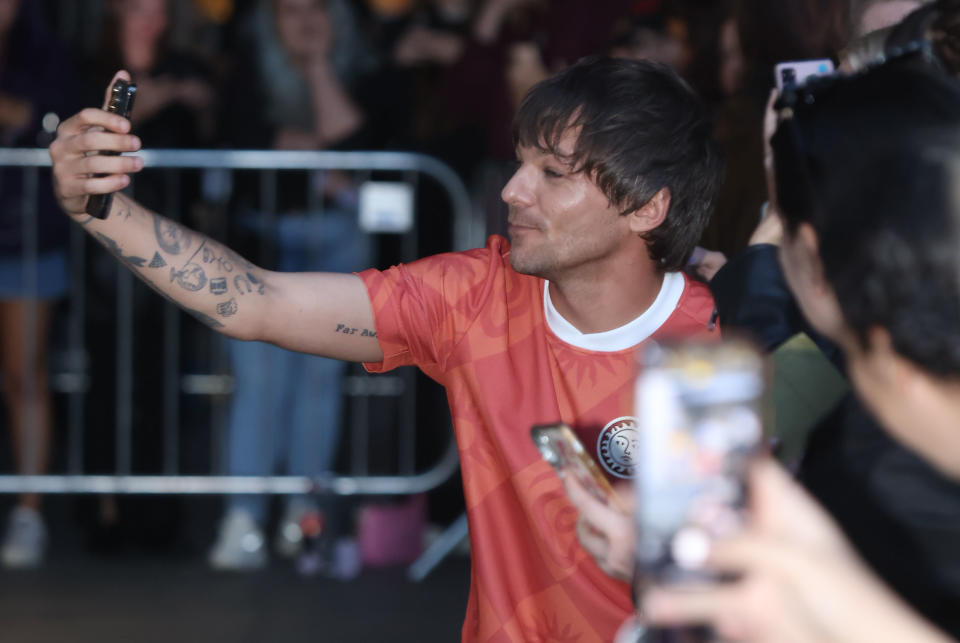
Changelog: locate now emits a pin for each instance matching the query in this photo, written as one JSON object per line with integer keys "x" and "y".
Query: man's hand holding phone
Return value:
{"x": 606, "y": 532}
{"x": 604, "y": 526}
{"x": 79, "y": 170}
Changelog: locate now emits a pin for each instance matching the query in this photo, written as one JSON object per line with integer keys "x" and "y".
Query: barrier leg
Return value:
{"x": 439, "y": 549}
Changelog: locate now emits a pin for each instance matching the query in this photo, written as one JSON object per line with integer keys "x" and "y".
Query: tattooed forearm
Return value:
{"x": 191, "y": 277}
{"x": 362, "y": 332}
{"x": 186, "y": 268}
{"x": 115, "y": 250}
{"x": 201, "y": 317}
{"x": 172, "y": 237}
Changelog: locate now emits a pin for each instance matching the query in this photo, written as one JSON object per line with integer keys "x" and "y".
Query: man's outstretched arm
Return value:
{"x": 321, "y": 313}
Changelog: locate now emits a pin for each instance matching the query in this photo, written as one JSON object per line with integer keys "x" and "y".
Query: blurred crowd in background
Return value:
{"x": 438, "y": 76}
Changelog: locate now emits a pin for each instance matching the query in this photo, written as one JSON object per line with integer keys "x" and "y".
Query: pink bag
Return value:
{"x": 392, "y": 534}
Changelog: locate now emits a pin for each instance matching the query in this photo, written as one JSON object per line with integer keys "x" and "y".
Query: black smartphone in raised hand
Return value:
{"x": 121, "y": 102}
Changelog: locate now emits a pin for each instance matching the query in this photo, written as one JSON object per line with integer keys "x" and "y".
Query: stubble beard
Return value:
{"x": 533, "y": 262}
{"x": 532, "y": 257}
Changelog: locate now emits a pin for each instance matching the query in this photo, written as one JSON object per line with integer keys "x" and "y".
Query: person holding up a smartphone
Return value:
{"x": 871, "y": 227}
{"x": 615, "y": 182}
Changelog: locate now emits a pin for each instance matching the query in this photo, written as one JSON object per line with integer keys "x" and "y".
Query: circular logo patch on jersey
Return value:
{"x": 617, "y": 446}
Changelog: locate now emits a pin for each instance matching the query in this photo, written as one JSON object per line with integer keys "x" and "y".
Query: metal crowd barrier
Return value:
{"x": 73, "y": 379}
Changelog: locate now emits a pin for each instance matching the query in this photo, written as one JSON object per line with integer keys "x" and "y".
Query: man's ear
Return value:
{"x": 651, "y": 214}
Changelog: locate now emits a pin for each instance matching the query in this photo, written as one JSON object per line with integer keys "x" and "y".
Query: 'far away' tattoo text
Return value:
{"x": 362, "y": 332}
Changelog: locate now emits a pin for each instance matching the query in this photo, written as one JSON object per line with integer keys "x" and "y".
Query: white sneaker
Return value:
{"x": 26, "y": 539}
{"x": 240, "y": 545}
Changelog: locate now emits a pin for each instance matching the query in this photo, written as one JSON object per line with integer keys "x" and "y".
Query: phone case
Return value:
{"x": 559, "y": 446}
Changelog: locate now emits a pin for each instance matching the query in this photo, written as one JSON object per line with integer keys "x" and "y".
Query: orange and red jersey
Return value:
{"x": 508, "y": 361}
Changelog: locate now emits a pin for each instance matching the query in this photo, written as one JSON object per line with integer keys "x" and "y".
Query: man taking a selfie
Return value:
{"x": 615, "y": 180}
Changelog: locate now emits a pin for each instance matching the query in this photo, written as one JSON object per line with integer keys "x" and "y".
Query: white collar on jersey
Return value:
{"x": 626, "y": 336}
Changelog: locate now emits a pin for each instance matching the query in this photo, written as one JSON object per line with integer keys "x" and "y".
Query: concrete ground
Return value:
{"x": 134, "y": 594}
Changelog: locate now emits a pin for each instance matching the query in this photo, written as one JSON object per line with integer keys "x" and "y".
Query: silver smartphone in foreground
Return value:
{"x": 700, "y": 408}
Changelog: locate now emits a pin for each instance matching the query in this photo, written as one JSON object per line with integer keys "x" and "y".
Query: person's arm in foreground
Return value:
{"x": 322, "y": 313}
{"x": 800, "y": 581}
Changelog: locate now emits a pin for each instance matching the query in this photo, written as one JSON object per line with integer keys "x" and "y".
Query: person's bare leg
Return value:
{"x": 26, "y": 387}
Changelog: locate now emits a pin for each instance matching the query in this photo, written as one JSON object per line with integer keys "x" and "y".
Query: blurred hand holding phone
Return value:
{"x": 699, "y": 408}
{"x": 787, "y": 75}
{"x": 794, "y": 73}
